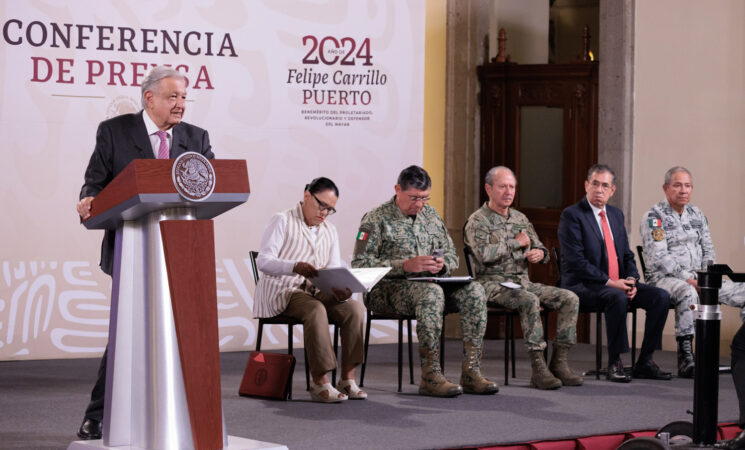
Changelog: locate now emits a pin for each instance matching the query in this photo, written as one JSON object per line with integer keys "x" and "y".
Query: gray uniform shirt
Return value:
{"x": 675, "y": 245}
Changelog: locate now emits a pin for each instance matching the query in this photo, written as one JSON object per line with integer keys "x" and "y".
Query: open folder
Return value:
{"x": 342, "y": 278}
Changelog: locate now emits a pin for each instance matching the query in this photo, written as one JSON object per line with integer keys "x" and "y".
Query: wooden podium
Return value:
{"x": 163, "y": 366}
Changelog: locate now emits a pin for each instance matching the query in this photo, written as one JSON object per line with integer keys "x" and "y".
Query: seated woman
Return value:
{"x": 296, "y": 243}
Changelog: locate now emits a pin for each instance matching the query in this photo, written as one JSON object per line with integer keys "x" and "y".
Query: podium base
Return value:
{"x": 234, "y": 443}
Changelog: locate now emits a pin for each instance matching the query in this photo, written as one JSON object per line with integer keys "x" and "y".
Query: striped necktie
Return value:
{"x": 163, "y": 152}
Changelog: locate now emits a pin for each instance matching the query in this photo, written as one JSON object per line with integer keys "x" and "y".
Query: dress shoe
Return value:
{"x": 650, "y": 371}
{"x": 736, "y": 443}
{"x": 90, "y": 429}
{"x": 617, "y": 374}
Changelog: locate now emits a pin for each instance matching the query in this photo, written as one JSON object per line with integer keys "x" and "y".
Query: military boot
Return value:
{"x": 542, "y": 378}
{"x": 470, "y": 378}
{"x": 433, "y": 381}
{"x": 686, "y": 362}
{"x": 559, "y": 366}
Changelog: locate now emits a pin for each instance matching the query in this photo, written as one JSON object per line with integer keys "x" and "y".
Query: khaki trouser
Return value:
{"x": 315, "y": 313}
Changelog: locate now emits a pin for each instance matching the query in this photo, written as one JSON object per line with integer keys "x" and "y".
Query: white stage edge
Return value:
{"x": 234, "y": 443}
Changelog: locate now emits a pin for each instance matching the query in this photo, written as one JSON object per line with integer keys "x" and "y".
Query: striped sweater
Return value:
{"x": 287, "y": 240}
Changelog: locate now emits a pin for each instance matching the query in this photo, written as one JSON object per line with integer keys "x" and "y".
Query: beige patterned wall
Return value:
{"x": 689, "y": 109}
{"x": 239, "y": 59}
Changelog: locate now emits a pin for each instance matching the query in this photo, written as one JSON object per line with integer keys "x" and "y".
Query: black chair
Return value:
{"x": 640, "y": 252}
{"x": 448, "y": 310}
{"x": 599, "y": 327}
{"x": 282, "y": 319}
{"x": 498, "y": 311}
{"x": 371, "y": 315}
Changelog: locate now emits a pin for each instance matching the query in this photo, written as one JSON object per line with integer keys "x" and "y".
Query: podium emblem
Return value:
{"x": 193, "y": 176}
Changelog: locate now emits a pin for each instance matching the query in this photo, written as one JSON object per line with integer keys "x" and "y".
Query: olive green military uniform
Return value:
{"x": 500, "y": 258}
{"x": 387, "y": 237}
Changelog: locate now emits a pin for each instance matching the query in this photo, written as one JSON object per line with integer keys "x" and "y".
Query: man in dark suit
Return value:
{"x": 597, "y": 265}
{"x": 155, "y": 132}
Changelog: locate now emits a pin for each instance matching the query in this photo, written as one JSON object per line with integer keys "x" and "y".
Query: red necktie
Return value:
{"x": 610, "y": 248}
{"x": 163, "y": 149}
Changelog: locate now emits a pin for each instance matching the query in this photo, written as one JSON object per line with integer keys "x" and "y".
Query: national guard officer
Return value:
{"x": 677, "y": 243}
{"x": 503, "y": 242}
{"x": 407, "y": 234}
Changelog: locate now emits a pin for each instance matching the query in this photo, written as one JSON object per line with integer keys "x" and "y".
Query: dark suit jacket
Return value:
{"x": 583, "y": 253}
{"x": 121, "y": 139}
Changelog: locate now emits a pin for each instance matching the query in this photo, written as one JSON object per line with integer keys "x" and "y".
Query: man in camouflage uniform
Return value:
{"x": 503, "y": 242}
{"x": 677, "y": 243}
{"x": 403, "y": 233}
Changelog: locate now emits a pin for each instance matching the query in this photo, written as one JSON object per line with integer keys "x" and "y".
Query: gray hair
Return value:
{"x": 153, "y": 77}
{"x": 489, "y": 178}
{"x": 675, "y": 169}
{"x": 602, "y": 168}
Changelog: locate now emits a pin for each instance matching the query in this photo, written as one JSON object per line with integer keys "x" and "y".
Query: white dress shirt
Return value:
{"x": 152, "y": 129}
{"x": 596, "y": 213}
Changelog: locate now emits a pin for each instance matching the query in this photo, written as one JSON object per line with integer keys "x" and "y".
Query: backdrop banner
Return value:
{"x": 299, "y": 89}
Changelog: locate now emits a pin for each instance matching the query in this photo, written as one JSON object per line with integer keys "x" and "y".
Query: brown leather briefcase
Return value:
{"x": 268, "y": 375}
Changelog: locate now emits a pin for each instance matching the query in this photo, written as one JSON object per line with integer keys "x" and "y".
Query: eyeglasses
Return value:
{"x": 415, "y": 199}
{"x": 604, "y": 186}
{"x": 323, "y": 207}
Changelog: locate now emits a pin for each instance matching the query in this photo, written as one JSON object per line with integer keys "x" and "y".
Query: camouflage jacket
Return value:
{"x": 491, "y": 236}
{"x": 387, "y": 237}
{"x": 675, "y": 245}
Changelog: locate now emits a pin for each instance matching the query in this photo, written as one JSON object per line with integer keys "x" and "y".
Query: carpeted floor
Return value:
{"x": 42, "y": 404}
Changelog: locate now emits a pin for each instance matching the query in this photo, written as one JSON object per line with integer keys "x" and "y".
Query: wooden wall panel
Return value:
{"x": 190, "y": 260}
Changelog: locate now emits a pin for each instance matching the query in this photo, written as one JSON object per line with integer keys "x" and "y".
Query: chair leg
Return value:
{"x": 507, "y": 320}
{"x": 305, "y": 356}
{"x": 289, "y": 351}
{"x": 400, "y": 351}
{"x": 442, "y": 347}
{"x": 545, "y": 333}
{"x": 307, "y": 370}
{"x": 367, "y": 344}
{"x": 258, "y": 335}
{"x": 633, "y": 338}
{"x": 336, "y": 353}
{"x": 512, "y": 347}
{"x": 411, "y": 358}
{"x": 599, "y": 343}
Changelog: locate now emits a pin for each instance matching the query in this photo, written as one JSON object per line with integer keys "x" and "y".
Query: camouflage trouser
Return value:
{"x": 426, "y": 301}
{"x": 527, "y": 300}
{"x": 683, "y": 295}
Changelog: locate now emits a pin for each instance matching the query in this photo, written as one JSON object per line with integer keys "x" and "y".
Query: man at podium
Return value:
{"x": 155, "y": 132}
{"x": 296, "y": 243}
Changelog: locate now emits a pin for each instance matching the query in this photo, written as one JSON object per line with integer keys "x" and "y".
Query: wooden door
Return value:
{"x": 541, "y": 122}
